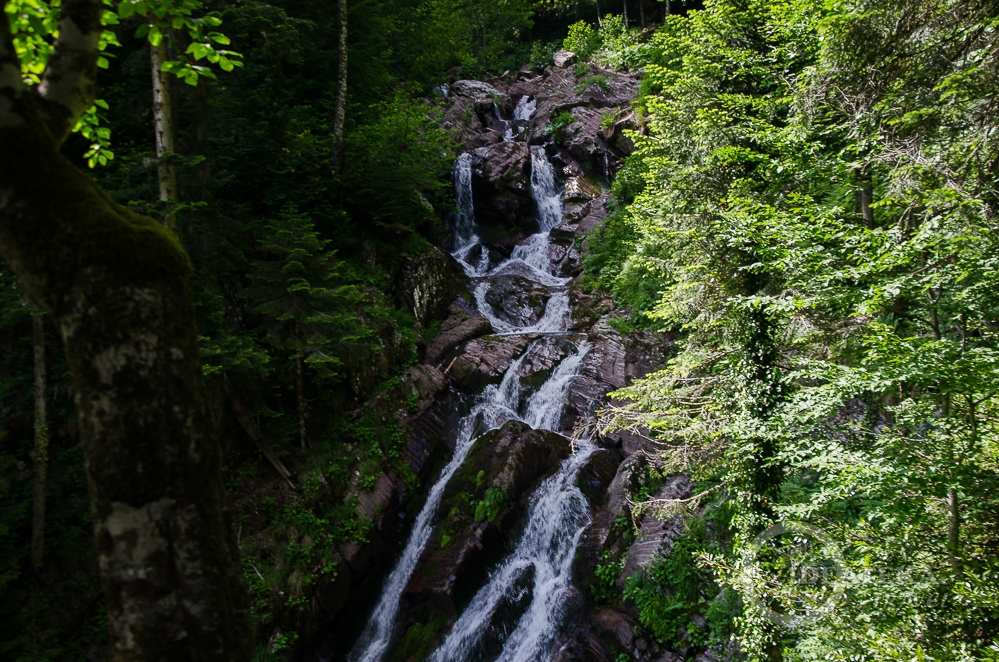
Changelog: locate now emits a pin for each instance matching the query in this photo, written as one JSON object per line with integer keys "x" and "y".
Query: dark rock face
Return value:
{"x": 614, "y": 134}
{"x": 513, "y": 459}
{"x": 655, "y": 536}
{"x": 456, "y": 329}
{"x": 584, "y": 140}
{"x": 484, "y": 360}
{"x": 425, "y": 286}
{"x": 501, "y": 186}
{"x": 517, "y": 300}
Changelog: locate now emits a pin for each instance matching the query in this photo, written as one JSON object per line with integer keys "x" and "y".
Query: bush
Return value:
{"x": 583, "y": 40}
{"x": 542, "y": 54}
{"x": 491, "y": 505}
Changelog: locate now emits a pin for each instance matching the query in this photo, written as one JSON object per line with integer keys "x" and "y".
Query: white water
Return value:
{"x": 525, "y": 108}
{"x": 496, "y": 405}
{"x": 556, "y": 520}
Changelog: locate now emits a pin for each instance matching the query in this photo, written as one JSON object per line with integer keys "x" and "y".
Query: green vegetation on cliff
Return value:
{"x": 811, "y": 206}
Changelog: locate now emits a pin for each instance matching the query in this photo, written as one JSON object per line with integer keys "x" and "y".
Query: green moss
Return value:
{"x": 417, "y": 641}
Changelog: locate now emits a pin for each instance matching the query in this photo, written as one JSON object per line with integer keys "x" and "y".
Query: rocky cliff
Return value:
{"x": 577, "y": 117}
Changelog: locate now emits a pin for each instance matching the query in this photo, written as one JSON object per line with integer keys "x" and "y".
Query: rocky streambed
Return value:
{"x": 492, "y": 557}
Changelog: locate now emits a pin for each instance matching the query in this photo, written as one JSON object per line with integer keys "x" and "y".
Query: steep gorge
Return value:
{"x": 512, "y": 525}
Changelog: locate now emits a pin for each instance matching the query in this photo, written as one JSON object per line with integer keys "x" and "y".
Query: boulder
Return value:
{"x": 580, "y": 189}
{"x": 584, "y": 140}
{"x": 484, "y": 361}
{"x": 456, "y": 329}
{"x": 614, "y": 133}
{"x": 517, "y": 300}
{"x": 564, "y": 58}
{"x": 475, "y": 89}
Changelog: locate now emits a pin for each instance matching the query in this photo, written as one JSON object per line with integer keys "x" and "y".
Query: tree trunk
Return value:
{"x": 117, "y": 285}
{"x": 954, "y": 533}
{"x": 641, "y": 12}
{"x": 625, "y": 14}
{"x": 300, "y": 392}
{"x": 341, "y": 88}
{"x": 600, "y": 20}
{"x": 665, "y": 10}
{"x": 165, "y": 132}
{"x": 41, "y": 445}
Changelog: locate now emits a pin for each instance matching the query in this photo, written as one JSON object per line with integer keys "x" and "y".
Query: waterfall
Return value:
{"x": 496, "y": 405}
{"x": 464, "y": 219}
{"x": 465, "y": 237}
{"x": 525, "y": 108}
{"x": 556, "y": 520}
{"x": 546, "y": 191}
{"x": 558, "y": 512}
{"x": 507, "y": 124}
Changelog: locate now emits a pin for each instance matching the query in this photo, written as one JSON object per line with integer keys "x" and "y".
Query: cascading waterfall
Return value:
{"x": 496, "y": 405}
{"x": 464, "y": 219}
{"x": 546, "y": 191}
{"x": 558, "y": 511}
{"x": 556, "y": 520}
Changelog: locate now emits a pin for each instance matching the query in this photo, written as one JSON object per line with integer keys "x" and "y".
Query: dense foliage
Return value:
{"x": 813, "y": 210}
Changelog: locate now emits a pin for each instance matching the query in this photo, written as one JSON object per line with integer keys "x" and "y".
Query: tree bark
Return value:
{"x": 300, "y": 392}
{"x": 341, "y": 87}
{"x": 625, "y": 14}
{"x": 641, "y": 12}
{"x": 117, "y": 286}
{"x": 41, "y": 445}
{"x": 954, "y": 533}
{"x": 165, "y": 132}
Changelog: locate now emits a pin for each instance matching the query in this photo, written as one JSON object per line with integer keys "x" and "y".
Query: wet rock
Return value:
{"x": 580, "y": 189}
{"x": 517, "y": 300}
{"x": 513, "y": 459}
{"x": 476, "y": 89}
{"x": 598, "y": 473}
{"x": 596, "y": 215}
{"x": 456, "y": 329}
{"x": 500, "y": 187}
{"x": 541, "y": 359}
{"x": 614, "y": 134}
{"x": 584, "y": 140}
{"x": 574, "y": 213}
{"x": 425, "y": 286}
{"x": 655, "y": 536}
{"x": 484, "y": 360}
{"x": 564, "y": 58}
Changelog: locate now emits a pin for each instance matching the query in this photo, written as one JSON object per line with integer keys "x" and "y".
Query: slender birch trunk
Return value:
{"x": 625, "y": 14}
{"x": 165, "y": 132}
{"x": 41, "y": 452}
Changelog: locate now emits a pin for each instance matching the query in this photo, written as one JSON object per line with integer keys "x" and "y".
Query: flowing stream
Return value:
{"x": 537, "y": 574}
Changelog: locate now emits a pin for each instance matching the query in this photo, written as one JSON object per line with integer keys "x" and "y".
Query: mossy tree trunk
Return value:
{"x": 117, "y": 286}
